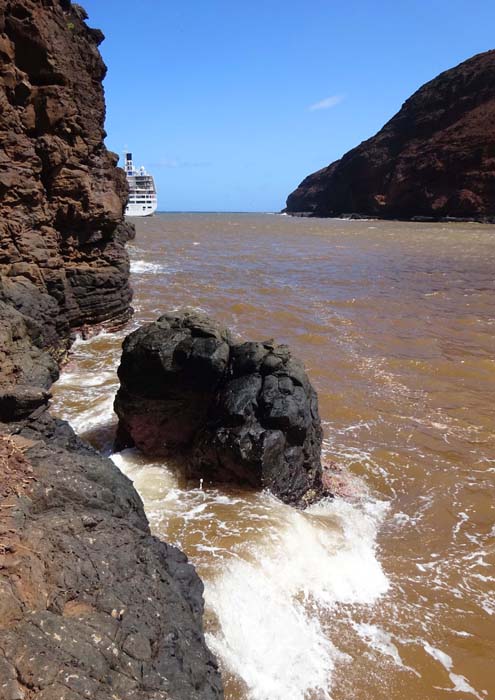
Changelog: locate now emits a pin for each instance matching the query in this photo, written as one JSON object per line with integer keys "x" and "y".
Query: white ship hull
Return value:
{"x": 140, "y": 209}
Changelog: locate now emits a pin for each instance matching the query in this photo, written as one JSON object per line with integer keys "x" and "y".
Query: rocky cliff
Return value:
{"x": 435, "y": 158}
{"x": 63, "y": 262}
{"x": 61, "y": 196}
{"x": 91, "y": 604}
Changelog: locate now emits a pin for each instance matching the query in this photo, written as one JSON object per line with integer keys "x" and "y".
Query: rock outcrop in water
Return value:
{"x": 434, "y": 159}
{"x": 91, "y": 605}
{"x": 241, "y": 412}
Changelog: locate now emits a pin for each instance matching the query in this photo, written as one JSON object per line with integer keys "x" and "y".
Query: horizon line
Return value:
{"x": 215, "y": 211}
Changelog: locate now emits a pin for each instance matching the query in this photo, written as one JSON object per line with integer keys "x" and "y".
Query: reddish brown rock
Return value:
{"x": 61, "y": 195}
{"x": 63, "y": 262}
{"x": 434, "y": 159}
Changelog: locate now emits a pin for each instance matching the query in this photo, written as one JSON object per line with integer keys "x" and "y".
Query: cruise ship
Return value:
{"x": 142, "y": 191}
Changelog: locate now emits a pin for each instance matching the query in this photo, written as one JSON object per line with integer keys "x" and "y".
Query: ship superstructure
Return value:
{"x": 142, "y": 191}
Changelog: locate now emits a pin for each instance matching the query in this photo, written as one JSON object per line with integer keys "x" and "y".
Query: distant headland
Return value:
{"x": 434, "y": 160}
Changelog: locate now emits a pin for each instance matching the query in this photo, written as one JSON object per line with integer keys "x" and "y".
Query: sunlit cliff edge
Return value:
{"x": 434, "y": 159}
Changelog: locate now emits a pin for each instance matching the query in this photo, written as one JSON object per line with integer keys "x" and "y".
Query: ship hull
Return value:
{"x": 133, "y": 210}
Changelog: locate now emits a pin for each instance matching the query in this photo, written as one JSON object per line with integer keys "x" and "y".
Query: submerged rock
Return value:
{"x": 432, "y": 160}
{"x": 239, "y": 412}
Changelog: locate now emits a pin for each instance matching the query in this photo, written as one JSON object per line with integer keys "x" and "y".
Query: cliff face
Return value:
{"x": 63, "y": 261}
{"x": 435, "y": 158}
{"x": 61, "y": 196}
{"x": 91, "y": 604}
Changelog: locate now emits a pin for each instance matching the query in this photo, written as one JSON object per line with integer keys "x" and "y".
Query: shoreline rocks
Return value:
{"x": 169, "y": 373}
{"x": 237, "y": 412}
{"x": 432, "y": 161}
{"x": 91, "y": 604}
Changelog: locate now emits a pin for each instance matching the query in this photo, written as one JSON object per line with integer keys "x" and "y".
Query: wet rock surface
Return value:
{"x": 241, "y": 412}
{"x": 170, "y": 372}
{"x": 432, "y": 161}
{"x": 91, "y": 604}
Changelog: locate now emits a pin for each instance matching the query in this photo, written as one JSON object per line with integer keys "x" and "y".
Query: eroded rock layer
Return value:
{"x": 239, "y": 412}
{"x": 434, "y": 159}
{"x": 61, "y": 196}
{"x": 63, "y": 262}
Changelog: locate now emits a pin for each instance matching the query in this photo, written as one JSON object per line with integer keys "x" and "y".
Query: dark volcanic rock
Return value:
{"x": 27, "y": 323}
{"x": 174, "y": 367}
{"x": 435, "y": 158}
{"x": 241, "y": 412}
{"x": 91, "y": 605}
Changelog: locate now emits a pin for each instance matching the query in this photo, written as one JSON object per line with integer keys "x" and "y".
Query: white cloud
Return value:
{"x": 327, "y": 103}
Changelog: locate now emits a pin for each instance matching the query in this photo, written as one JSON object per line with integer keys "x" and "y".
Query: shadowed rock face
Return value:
{"x": 245, "y": 412}
{"x": 434, "y": 159}
{"x": 170, "y": 372}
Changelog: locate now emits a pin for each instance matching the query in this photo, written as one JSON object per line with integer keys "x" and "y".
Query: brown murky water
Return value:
{"x": 388, "y": 595}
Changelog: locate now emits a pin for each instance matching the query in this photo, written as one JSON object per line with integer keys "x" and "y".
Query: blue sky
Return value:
{"x": 231, "y": 104}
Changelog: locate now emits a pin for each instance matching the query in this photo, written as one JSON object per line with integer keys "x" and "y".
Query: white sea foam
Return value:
{"x": 81, "y": 341}
{"x": 463, "y": 518}
{"x": 153, "y": 481}
{"x": 77, "y": 380}
{"x": 313, "y": 561}
{"x": 141, "y": 267}
{"x": 95, "y": 415}
{"x": 381, "y": 641}
{"x": 266, "y": 637}
{"x": 294, "y": 564}
{"x": 487, "y": 605}
{"x": 460, "y": 684}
